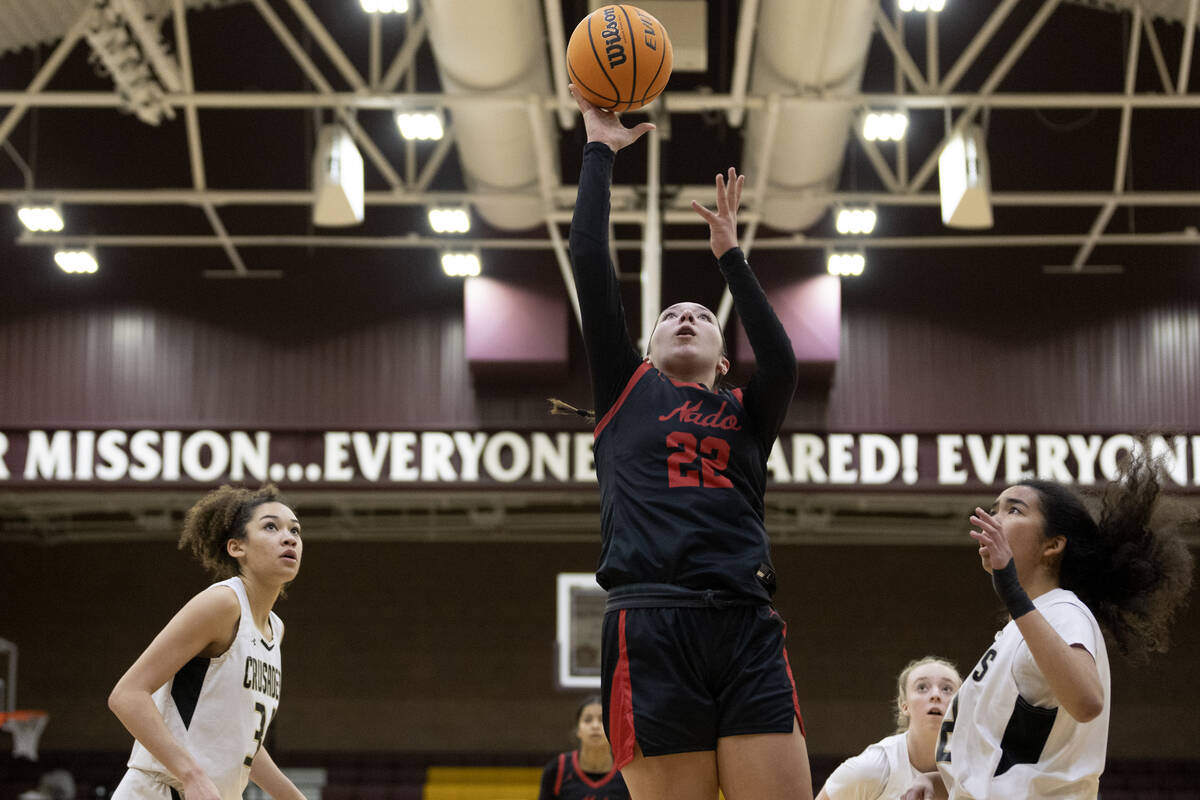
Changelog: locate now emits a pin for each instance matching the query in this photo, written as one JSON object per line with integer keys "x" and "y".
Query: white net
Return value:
{"x": 26, "y": 728}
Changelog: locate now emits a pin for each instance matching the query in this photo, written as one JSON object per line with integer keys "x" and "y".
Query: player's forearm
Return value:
{"x": 612, "y": 357}
{"x": 1070, "y": 672}
{"x": 267, "y": 775}
{"x": 137, "y": 712}
{"x": 768, "y": 338}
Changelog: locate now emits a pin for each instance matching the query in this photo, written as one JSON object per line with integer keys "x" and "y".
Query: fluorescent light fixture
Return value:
{"x": 846, "y": 263}
{"x": 460, "y": 265}
{"x": 41, "y": 218}
{"x": 384, "y": 6}
{"x": 423, "y": 125}
{"x": 922, "y": 5}
{"x": 884, "y": 126}
{"x": 855, "y": 220}
{"x": 963, "y": 181}
{"x": 337, "y": 179}
{"x": 76, "y": 262}
{"x": 449, "y": 220}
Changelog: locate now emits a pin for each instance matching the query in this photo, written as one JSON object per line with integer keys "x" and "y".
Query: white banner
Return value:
{"x": 500, "y": 458}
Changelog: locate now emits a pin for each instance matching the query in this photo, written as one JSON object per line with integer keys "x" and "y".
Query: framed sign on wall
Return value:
{"x": 579, "y": 619}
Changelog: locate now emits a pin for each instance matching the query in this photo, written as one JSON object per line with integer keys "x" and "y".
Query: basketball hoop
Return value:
{"x": 26, "y": 728}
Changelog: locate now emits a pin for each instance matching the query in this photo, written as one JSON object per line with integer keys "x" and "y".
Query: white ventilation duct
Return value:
{"x": 495, "y": 46}
{"x": 814, "y": 46}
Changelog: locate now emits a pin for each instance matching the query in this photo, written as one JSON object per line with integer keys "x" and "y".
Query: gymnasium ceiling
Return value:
{"x": 1089, "y": 122}
{"x": 1092, "y": 152}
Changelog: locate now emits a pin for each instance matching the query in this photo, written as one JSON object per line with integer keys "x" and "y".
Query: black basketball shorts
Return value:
{"x": 675, "y": 680}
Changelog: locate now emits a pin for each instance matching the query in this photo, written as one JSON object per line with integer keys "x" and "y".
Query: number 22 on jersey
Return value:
{"x": 682, "y": 471}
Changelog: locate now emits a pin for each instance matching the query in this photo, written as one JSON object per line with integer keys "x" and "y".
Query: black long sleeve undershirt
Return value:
{"x": 612, "y": 356}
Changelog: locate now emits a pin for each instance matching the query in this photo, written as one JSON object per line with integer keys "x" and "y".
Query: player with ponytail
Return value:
{"x": 697, "y": 690}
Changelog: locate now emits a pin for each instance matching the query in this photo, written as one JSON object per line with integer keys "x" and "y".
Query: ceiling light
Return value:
{"x": 963, "y": 181}
{"x": 855, "y": 219}
{"x": 337, "y": 179}
{"x": 41, "y": 218}
{"x": 884, "y": 126}
{"x": 922, "y": 5}
{"x": 384, "y": 6}
{"x": 76, "y": 262}
{"x": 449, "y": 220}
{"x": 846, "y": 263}
{"x": 460, "y": 265}
{"x": 424, "y": 125}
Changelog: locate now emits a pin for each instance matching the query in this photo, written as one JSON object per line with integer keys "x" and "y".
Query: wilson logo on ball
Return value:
{"x": 612, "y": 38}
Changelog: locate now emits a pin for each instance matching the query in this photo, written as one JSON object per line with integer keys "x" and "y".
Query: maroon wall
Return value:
{"x": 940, "y": 348}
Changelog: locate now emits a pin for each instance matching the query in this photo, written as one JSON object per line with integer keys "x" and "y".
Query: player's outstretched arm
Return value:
{"x": 769, "y": 391}
{"x": 270, "y": 778}
{"x": 206, "y": 625}
{"x": 612, "y": 356}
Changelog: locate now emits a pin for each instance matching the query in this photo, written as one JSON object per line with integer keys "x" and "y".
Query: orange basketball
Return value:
{"x": 619, "y": 58}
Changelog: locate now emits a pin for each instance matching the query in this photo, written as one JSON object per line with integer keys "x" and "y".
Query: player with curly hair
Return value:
{"x": 1031, "y": 719}
{"x": 200, "y": 698}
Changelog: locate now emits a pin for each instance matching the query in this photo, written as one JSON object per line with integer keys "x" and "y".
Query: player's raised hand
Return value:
{"x": 605, "y": 126}
{"x": 993, "y": 544}
{"x": 722, "y": 224}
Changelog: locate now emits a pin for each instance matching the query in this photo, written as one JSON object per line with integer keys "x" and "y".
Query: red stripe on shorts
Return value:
{"x": 620, "y": 705}
{"x": 788, "y": 664}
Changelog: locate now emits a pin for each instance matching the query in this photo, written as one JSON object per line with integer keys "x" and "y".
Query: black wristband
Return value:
{"x": 1005, "y": 582}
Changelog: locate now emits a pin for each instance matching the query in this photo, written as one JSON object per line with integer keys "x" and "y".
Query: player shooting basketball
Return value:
{"x": 697, "y": 688}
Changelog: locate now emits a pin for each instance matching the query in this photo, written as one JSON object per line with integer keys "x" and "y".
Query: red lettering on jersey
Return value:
{"x": 683, "y": 445}
{"x": 714, "y": 457}
{"x": 693, "y": 413}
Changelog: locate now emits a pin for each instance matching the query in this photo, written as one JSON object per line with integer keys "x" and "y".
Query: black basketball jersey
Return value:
{"x": 682, "y": 470}
{"x": 564, "y": 779}
{"x": 682, "y": 474}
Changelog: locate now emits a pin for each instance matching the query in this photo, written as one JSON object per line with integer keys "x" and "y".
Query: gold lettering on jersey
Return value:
{"x": 261, "y": 677}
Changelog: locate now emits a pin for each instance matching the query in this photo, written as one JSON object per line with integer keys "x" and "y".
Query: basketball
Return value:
{"x": 619, "y": 58}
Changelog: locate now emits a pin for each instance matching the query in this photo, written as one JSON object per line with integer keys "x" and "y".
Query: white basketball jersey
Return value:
{"x": 996, "y": 744}
{"x": 219, "y": 709}
{"x": 881, "y": 772}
